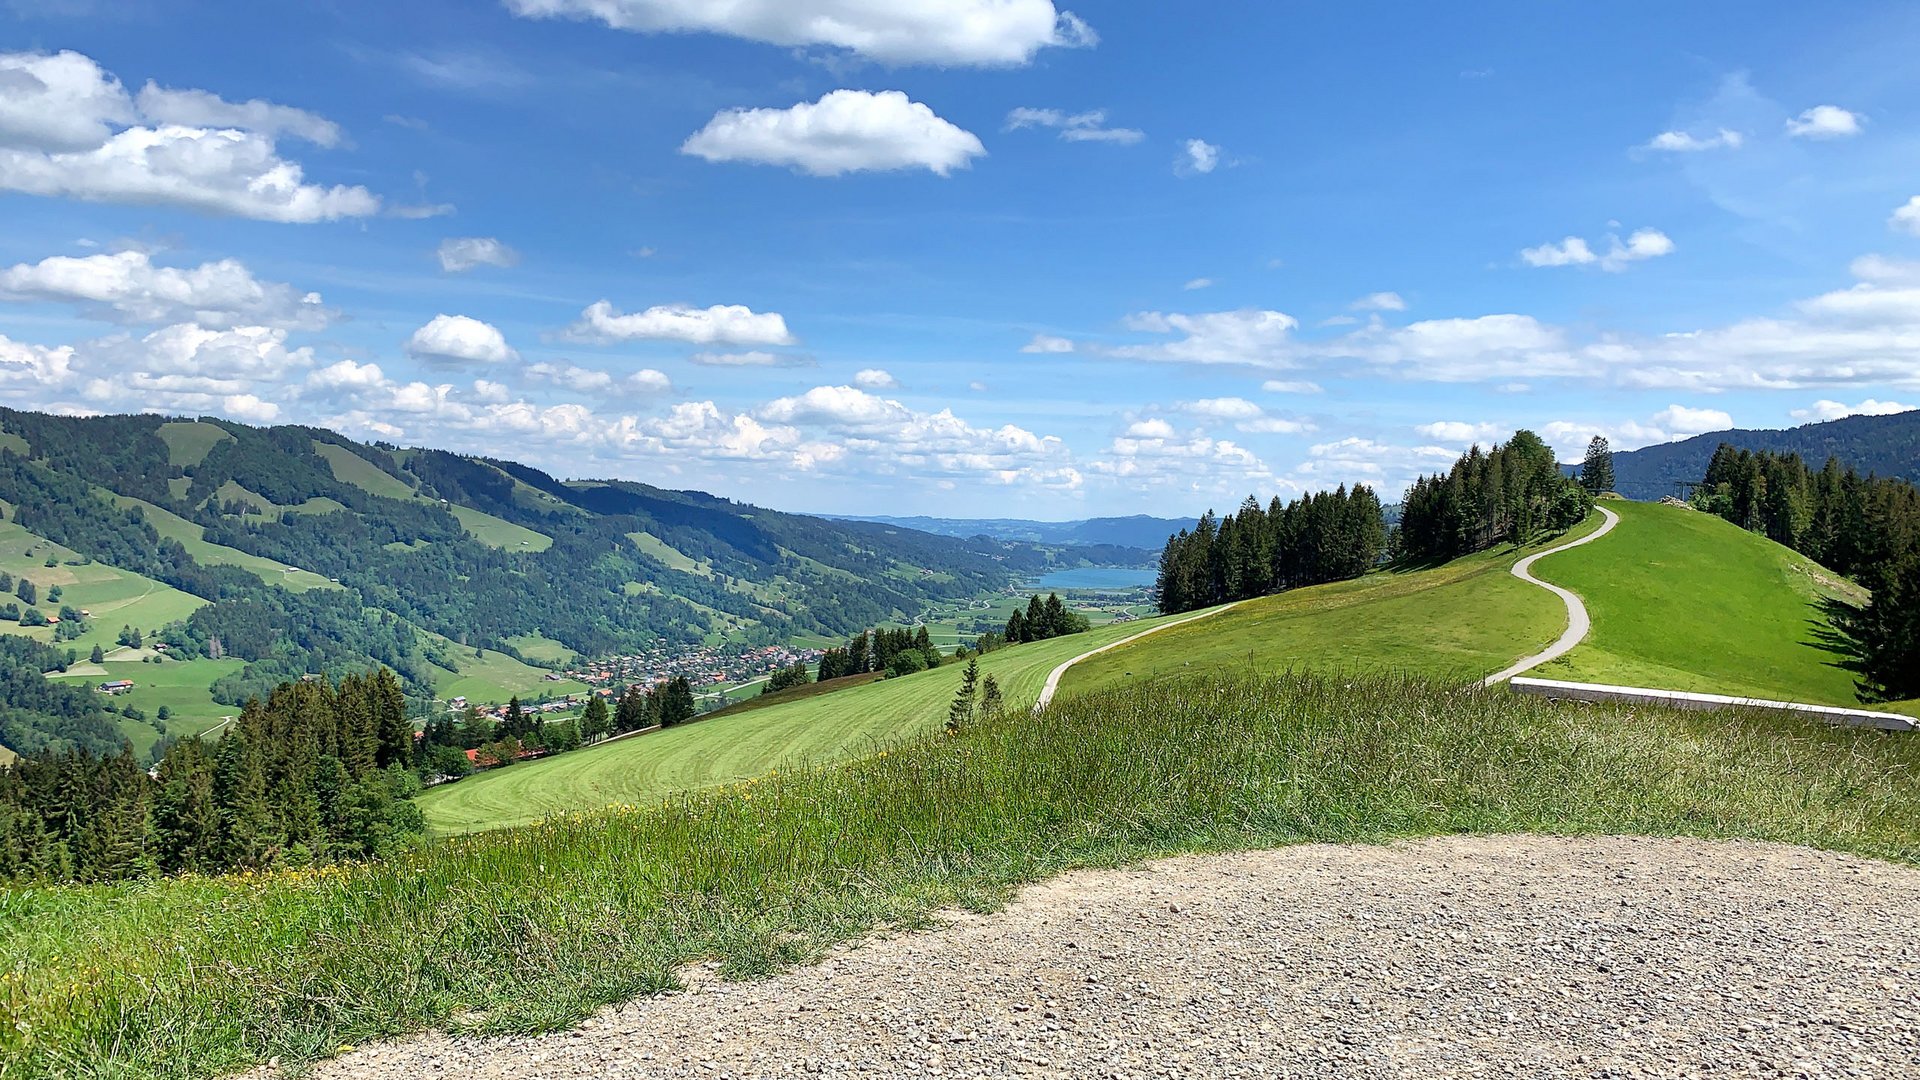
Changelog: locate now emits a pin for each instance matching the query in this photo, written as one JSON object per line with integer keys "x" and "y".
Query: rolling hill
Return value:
{"x": 1884, "y": 445}
{"x": 263, "y": 554}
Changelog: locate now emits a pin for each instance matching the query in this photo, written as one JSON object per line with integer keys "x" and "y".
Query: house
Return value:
{"x": 116, "y": 687}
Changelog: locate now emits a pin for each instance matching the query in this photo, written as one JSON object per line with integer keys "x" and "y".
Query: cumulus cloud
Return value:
{"x": 1825, "y": 122}
{"x": 1459, "y": 433}
{"x": 875, "y": 379}
{"x": 1462, "y": 350}
{"x": 1907, "y": 218}
{"x": 1248, "y": 337}
{"x": 458, "y": 339}
{"x": 1244, "y": 415}
{"x": 68, "y": 129}
{"x": 722, "y": 324}
{"x": 1197, "y": 157}
{"x": 1380, "y": 301}
{"x": 845, "y": 131}
{"x": 1681, "y": 142}
{"x": 1151, "y": 454}
{"x": 593, "y": 381}
{"x": 1824, "y": 409}
{"x": 198, "y": 108}
{"x": 462, "y": 253}
{"x": 1881, "y": 270}
{"x": 1573, "y": 251}
{"x": 946, "y": 32}
{"x": 26, "y": 365}
{"x": 128, "y": 287}
{"x": 1684, "y": 421}
{"x": 1047, "y": 343}
{"x": 1090, "y": 126}
{"x": 1198, "y": 283}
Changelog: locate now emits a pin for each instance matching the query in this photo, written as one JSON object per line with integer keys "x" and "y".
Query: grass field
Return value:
{"x": 189, "y": 441}
{"x": 668, "y": 556}
{"x": 115, "y": 597}
{"x": 181, "y": 686}
{"x": 350, "y": 468}
{"x": 500, "y": 533}
{"x": 495, "y": 677}
{"x": 1456, "y": 622}
{"x": 732, "y": 748}
{"x": 172, "y": 526}
{"x": 534, "y": 928}
{"x": 544, "y": 649}
{"x": 1683, "y": 600}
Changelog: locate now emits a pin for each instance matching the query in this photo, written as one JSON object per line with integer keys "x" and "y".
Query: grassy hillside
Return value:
{"x": 115, "y": 597}
{"x": 189, "y": 441}
{"x": 1688, "y": 601}
{"x": 744, "y": 744}
{"x": 494, "y": 677}
{"x": 172, "y": 526}
{"x": 534, "y": 928}
{"x": 1456, "y": 622}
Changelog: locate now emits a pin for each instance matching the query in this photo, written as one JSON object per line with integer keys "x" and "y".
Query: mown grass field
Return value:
{"x": 533, "y": 928}
{"x": 733, "y": 748}
{"x": 189, "y": 441}
{"x": 180, "y": 685}
{"x": 191, "y": 536}
{"x": 495, "y": 677}
{"x": 1457, "y": 622}
{"x": 1683, "y": 600}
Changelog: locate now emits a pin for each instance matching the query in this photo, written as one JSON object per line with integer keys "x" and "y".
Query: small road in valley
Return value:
{"x": 1054, "y": 677}
{"x": 1578, "y": 624}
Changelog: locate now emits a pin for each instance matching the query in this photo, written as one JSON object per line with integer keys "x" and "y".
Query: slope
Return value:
{"x": 1885, "y": 445}
{"x": 744, "y": 744}
{"x": 1454, "y": 622}
{"x": 1683, "y": 600}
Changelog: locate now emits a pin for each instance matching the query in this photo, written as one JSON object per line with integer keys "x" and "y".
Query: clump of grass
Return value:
{"x": 534, "y": 927}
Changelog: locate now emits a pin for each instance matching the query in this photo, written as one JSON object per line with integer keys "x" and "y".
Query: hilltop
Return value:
{"x": 1883, "y": 445}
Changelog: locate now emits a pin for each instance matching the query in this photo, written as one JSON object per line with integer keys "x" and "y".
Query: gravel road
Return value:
{"x": 1477, "y": 956}
{"x": 1578, "y": 624}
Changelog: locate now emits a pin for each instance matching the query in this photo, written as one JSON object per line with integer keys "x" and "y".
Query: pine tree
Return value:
{"x": 594, "y": 720}
{"x": 990, "y": 700}
{"x": 1596, "y": 472}
{"x": 960, "y": 713}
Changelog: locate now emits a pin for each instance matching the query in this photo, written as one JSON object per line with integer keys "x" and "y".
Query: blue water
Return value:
{"x": 1097, "y": 577}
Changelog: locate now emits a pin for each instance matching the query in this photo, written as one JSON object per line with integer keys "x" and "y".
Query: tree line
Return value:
{"x": 1512, "y": 494}
{"x": 1326, "y": 536}
{"x": 896, "y": 652}
{"x": 1041, "y": 620}
{"x": 318, "y": 773}
{"x": 1865, "y": 527}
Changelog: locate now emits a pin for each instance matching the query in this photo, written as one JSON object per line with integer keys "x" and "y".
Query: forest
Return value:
{"x": 316, "y": 774}
{"x": 1326, "y": 536}
{"x": 1514, "y": 493}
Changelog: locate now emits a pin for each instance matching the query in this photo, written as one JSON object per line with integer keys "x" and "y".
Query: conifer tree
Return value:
{"x": 594, "y": 720}
{"x": 1596, "y": 472}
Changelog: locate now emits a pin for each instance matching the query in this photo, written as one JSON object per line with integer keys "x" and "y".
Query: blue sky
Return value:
{"x": 974, "y": 257}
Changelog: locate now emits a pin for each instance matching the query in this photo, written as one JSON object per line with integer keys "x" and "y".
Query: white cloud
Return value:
{"x": 1882, "y": 270}
{"x": 1825, "y": 122}
{"x": 1087, "y": 126}
{"x": 1221, "y": 408}
{"x": 1380, "y": 301}
{"x": 1907, "y": 217}
{"x": 946, "y": 32}
{"x": 22, "y": 364}
{"x": 249, "y": 409}
{"x": 1683, "y": 421}
{"x": 1823, "y": 409}
{"x": 127, "y": 287}
{"x": 198, "y": 108}
{"x": 459, "y": 339}
{"x": 1250, "y": 337}
{"x": 1573, "y": 251}
{"x": 462, "y": 253}
{"x": 186, "y": 368}
{"x": 1198, "y": 283}
{"x": 1385, "y": 467}
{"x": 845, "y": 131}
{"x": 722, "y": 324}
{"x": 58, "y": 138}
{"x": 1151, "y": 428}
{"x": 875, "y": 379}
{"x": 1197, "y": 156}
{"x": 1152, "y": 455}
{"x": 591, "y": 381}
{"x": 59, "y": 102}
{"x": 1462, "y": 350}
{"x": 1047, "y": 343}
{"x": 750, "y": 358}
{"x": 1290, "y": 386}
{"x": 1686, "y": 143}
{"x": 1459, "y": 433}
{"x": 421, "y": 211}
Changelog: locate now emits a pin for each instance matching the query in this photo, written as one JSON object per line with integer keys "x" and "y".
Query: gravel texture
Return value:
{"x": 1466, "y": 956}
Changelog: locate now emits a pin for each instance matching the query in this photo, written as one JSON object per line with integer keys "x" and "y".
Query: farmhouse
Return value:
{"x": 116, "y": 687}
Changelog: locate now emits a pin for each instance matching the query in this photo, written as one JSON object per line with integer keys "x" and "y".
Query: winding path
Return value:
{"x": 1054, "y": 676}
{"x": 1577, "y": 621}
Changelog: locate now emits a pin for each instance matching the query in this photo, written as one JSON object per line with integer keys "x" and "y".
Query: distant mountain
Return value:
{"x": 1148, "y": 534}
{"x": 297, "y": 550}
{"x": 1886, "y": 445}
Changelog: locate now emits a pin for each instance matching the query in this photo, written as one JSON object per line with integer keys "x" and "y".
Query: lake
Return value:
{"x": 1104, "y": 578}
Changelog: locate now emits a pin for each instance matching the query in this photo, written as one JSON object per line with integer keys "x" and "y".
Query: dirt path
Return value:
{"x": 1466, "y": 956}
{"x": 1578, "y": 624}
{"x": 1054, "y": 676}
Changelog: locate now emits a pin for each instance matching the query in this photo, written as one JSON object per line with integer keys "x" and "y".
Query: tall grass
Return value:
{"x": 534, "y": 927}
